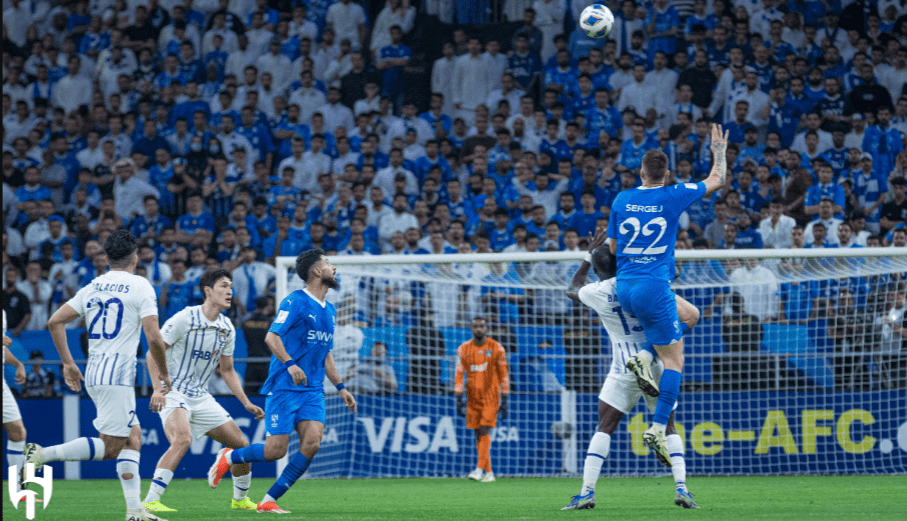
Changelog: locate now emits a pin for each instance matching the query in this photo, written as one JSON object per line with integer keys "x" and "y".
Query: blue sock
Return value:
{"x": 293, "y": 471}
{"x": 669, "y": 388}
{"x": 684, "y": 329}
{"x": 248, "y": 454}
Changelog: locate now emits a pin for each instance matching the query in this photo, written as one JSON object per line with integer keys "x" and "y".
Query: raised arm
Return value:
{"x": 579, "y": 278}
{"x": 718, "y": 175}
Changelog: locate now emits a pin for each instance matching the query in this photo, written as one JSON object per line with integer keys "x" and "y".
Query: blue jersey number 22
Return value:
{"x": 632, "y": 225}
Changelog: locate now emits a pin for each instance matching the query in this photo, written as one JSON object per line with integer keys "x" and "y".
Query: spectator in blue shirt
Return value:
{"x": 824, "y": 189}
{"x": 747, "y": 237}
{"x": 584, "y": 220}
{"x": 662, "y": 24}
{"x": 632, "y": 150}
{"x": 737, "y": 128}
{"x": 192, "y": 225}
{"x": 392, "y": 59}
{"x": 882, "y": 141}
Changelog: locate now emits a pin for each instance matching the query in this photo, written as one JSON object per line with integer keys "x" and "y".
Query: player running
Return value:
{"x": 620, "y": 392}
{"x": 483, "y": 362}
{"x": 197, "y": 339}
{"x": 301, "y": 339}
{"x": 642, "y": 229}
{"x": 12, "y": 418}
{"x": 114, "y": 306}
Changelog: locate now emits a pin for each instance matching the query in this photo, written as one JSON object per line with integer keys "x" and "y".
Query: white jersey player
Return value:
{"x": 12, "y": 419}
{"x": 198, "y": 340}
{"x": 621, "y": 391}
{"x": 117, "y": 307}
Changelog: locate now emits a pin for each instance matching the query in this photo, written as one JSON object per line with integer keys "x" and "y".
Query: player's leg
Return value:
{"x": 230, "y": 436}
{"x": 474, "y": 423}
{"x": 310, "y": 434}
{"x": 279, "y": 409}
{"x": 640, "y": 364}
{"x": 483, "y": 445}
{"x": 682, "y": 496}
{"x": 15, "y": 433}
{"x": 176, "y": 428}
{"x": 617, "y": 397}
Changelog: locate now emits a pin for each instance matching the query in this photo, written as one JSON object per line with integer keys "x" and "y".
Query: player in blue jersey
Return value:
{"x": 300, "y": 338}
{"x": 642, "y": 229}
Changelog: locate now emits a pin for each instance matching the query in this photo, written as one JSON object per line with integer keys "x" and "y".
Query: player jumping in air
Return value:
{"x": 117, "y": 307}
{"x": 12, "y": 419}
{"x": 301, "y": 339}
{"x": 643, "y": 229}
{"x": 198, "y": 339}
{"x": 483, "y": 362}
{"x": 620, "y": 392}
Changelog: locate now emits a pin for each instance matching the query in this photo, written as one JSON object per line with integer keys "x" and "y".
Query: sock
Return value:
{"x": 649, "y": 349}
{"x": 159, "y": 484}
{"x": 241, "y": 486}
{"x": 599, "y": 447}
{"x": 248, "y": 454}
{"x": 483, "y": 446}
{"x": 293, "y": 471}
{"x": 14, "y": 455}
{"x": 128, "y": 463}
{"x": 678, "y": 464}
{"x": 669, "y": 389}
{"x": 79, "y": 449}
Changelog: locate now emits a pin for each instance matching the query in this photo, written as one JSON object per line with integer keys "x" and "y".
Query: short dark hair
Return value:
{"x": 210, "y": 278}
{"x": 655, "y": 164}
{"x": 306, "y": 260}
{"x": 604, "y": 263}
{"x": 119, "y": 247}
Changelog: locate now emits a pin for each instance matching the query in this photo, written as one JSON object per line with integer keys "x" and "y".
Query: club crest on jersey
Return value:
{"x": 488, "y": 353}
{"x": 273, "y": 420}
{"x": 169, "y": 328}
{"x": 281, "y": 317}
{"x": 223, "y": 334}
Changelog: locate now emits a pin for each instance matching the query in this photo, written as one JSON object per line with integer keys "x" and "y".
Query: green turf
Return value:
{"x": 770, "y": 498}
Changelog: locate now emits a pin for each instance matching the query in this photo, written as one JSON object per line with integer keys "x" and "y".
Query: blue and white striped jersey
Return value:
{"x": 114, "y": 305}
{"x": 624, "y": 330}
{"x": 196, "y": 347}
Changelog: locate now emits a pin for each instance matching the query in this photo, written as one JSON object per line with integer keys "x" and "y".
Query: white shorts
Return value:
{"x": 623, "y": 393}
{"x": 204, "y": 412}
{"x": 10, "y": 407}
{"x": 116, "y": 409}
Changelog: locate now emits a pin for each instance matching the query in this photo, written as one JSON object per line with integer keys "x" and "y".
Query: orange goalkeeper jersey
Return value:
{"x": 485, "y": 370}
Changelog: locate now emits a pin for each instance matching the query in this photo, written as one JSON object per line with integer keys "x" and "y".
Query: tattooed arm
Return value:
{"x": 718, "y": 176}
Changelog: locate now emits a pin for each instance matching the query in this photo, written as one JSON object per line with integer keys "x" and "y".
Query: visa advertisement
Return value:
{"x": 407, "y": 435}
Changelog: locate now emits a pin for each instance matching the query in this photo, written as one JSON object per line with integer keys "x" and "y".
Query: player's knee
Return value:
{"x": 16, "y": 431}
{"x": 181, "y": 442}
{"x": 243, "y": 442}
{"x": 310, "y": 446}
{"x": 275, "y": 452}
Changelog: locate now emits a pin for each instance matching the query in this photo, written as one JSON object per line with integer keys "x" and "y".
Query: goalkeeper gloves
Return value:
{"x": 504, "y": 406}
{"x": 461, "y": 405}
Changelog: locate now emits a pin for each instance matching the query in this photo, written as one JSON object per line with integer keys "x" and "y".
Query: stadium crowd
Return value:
{"x": 226, "y": 133}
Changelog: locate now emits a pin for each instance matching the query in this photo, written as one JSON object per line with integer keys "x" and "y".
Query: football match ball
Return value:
{"x": 596, "y": 20}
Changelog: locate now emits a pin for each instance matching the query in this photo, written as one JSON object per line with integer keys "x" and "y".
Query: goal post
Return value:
{"x": 796, "y": 366}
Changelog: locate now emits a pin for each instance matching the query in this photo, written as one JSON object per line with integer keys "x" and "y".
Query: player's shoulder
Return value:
{"x": 597, "y": 288}
{"x": 465, "y": 345}
{"x": 497, "y": 346}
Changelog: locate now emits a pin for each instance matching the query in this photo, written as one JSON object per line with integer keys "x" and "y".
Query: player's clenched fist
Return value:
{"x": 461, "y": 405}
{"x": 256, "y": 410}
{"x": 298, "y": 375}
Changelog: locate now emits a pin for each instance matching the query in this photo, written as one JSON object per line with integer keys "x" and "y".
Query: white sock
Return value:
{"x": 599, "y": 447}
{"x": 128, "y": 463}
{"x": 14, "y": 456}
{"x": 159, "y": 484}
{"x": 79, "y": 449}
{"x": 268, "y": 498}
{"x": 678, "y": 464}
{"x": 241, "y": 486}
{"x": 229, "y": 457}
{"x": 645, "y": 356}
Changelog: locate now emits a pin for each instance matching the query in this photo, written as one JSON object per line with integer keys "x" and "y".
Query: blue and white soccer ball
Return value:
{"x": 596, "y": 20}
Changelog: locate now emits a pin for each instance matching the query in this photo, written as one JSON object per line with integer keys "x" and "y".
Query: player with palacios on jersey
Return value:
{"x": 117, "y": 307}
{"x": 621, "y": 391}
{"x": 643, "y": 231}
{"x": 198, "y": 340}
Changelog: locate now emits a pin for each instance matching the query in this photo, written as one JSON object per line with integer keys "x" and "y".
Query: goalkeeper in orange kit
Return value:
{"x": 483, "y": 362}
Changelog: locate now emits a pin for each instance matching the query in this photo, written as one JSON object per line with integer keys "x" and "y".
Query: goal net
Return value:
{"x": 797, "y": 366}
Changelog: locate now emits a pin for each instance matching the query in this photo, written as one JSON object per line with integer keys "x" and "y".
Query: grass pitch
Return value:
{"x": 769, "y": 498}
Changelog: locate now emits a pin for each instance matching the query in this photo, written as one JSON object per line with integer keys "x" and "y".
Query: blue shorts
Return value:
{"x": 284, "y": 409}
{"x": 655, "y": 305}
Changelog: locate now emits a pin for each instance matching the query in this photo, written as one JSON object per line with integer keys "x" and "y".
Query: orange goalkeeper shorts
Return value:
{"x": 481, "y": 416}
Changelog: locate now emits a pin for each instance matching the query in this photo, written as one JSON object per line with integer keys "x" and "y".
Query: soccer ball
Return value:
{"x": 596, "y": 20}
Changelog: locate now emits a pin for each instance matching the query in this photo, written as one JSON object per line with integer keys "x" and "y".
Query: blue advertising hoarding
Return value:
{"x": 724, "y": 433}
